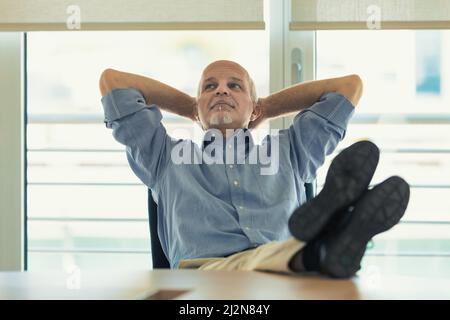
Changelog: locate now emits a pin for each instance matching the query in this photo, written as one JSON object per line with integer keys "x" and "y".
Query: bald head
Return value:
{"x": 228, "y": 64}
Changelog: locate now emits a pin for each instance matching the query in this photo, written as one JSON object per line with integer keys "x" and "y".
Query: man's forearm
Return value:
{"x": 305, "y": 94}
{"x": 154, "y": 92}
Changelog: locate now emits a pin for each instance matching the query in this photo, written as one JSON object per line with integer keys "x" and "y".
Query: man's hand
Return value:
{"x": 154, "y": 92}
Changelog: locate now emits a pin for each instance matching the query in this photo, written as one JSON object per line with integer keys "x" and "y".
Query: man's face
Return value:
{"x": 224, "y": 100}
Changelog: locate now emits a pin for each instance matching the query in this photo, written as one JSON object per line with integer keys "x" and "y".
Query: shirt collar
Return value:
{"x": 241, "y": 140}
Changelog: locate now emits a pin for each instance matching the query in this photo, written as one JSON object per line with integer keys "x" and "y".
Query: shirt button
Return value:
{"x": 231, "y": 166}
{"x": 247, "y": 228}
{"x": 229, "y": 146}
{"x": 236, "y": 183}
{"x": 241, "y": 207}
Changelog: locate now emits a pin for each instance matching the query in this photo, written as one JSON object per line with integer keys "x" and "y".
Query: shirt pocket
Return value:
{"x": 275, "y": 188}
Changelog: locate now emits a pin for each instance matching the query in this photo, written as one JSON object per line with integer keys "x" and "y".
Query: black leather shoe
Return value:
{"x": 348, "y": 177}
{"x": 379, "y": 209}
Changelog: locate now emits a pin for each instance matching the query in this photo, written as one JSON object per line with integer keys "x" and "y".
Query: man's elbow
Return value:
{"x": 106, "y": 81}
{"x": 357, "y": 84}
{"x": 352, "y": 88}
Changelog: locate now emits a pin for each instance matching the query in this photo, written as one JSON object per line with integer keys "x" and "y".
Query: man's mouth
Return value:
{"x": 221, "y": 104}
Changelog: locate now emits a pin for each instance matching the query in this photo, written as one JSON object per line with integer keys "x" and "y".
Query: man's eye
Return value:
{"x": 235, "y": 85}
{"x": 209, "y": 86}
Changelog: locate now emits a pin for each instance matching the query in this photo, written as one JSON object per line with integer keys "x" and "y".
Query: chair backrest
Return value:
{"x": 159, "y": 259}
{"x": 310, "y": 190}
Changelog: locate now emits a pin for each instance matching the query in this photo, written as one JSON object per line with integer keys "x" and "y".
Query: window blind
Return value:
{"x": 357, "y": 14}
{"x": 42, "y": 15}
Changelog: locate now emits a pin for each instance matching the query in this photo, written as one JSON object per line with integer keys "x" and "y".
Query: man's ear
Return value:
{"x": 257, "y": 111}
{"x": 197, "y": 119}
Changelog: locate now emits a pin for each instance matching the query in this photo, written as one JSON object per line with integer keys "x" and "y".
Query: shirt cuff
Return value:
{"x": 335, "y": 108}
{"x": 119, "y": 103}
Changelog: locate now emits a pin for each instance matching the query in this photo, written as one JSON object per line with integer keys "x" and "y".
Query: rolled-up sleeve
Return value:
{"x": 138, "y": 126}
{"x": 316, "y": 131}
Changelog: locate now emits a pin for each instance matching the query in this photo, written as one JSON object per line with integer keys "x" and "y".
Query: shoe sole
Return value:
{"x": 348, "y": 177}
{"x": 378, "y": 210}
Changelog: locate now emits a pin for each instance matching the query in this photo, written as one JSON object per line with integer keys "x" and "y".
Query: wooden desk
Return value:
{"x": 380, "y": 278}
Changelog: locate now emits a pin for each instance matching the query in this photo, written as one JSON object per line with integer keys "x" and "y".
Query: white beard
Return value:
{"x": 220, "y": 118}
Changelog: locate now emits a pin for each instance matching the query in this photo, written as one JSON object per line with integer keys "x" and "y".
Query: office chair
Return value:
{"x": 159, "y": 258}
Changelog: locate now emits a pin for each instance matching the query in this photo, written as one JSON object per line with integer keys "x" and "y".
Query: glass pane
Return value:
{"x": 407, "y": 136}
{"x": 70, "y": 136}
{"x": 413, "y": 239}
{"x": 80, "y": 167}
{"x": 424, "y": 169}
{"x": 70, "y": 85}
{"x": 405, "y": 75}
{"x": 393, "y": 65}
{"x": 407, "y": 266}
{"x": 128, "y": 202}
{"x": 69, "y": 143}
{"x": 121, "y": 236}
{"x": 45, "y": 261}
{"x": 428, "y": 205}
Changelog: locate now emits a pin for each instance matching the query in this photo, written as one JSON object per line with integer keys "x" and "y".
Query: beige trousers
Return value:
{"x": 273, "y": 256}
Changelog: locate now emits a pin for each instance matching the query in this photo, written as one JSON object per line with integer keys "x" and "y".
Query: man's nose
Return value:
{"x": 221, "y": 93}
{"x": 222, "y": 90}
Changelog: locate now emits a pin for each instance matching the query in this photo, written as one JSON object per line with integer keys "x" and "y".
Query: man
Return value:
{"x": 230, "y": 216}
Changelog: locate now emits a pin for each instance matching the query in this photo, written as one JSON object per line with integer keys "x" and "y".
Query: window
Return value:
{"x": 405, "y": 109}
{"x": 85, "y": 206}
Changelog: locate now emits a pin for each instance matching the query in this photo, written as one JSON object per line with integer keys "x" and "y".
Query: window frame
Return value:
{"x": 282, "y": 43}
{"x": 12, "y": 162}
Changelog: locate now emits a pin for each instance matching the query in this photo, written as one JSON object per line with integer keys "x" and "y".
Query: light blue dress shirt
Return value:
{"x": 214, "y": 210}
